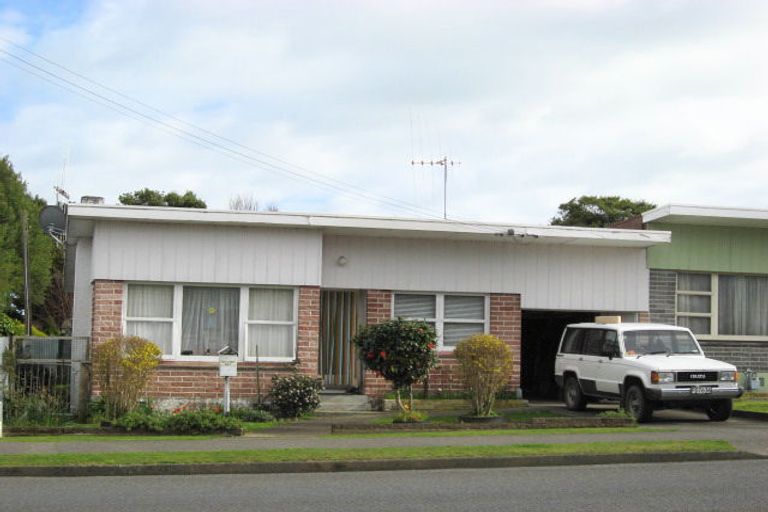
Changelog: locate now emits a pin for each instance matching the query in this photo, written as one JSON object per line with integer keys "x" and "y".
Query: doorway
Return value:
{"x": 342, "y": 312}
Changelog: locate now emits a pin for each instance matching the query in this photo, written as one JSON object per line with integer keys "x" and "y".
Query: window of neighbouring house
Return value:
{"x": 149, "y": 314}
{"x": 722, "y": 304}
{"x": 455, "y": 317}
{"x": 694, "y": 302}
{"x": 271, "y": 324}
{"x": 209, "y": 320}
{"x": 742, "y": 305}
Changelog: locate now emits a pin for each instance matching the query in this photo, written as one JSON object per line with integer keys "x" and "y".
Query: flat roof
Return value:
{"x": 81, "y": 217}
{"x": 708, "y": 215}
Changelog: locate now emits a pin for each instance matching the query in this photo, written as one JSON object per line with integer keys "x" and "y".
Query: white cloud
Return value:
{"x": 541, "y": 101}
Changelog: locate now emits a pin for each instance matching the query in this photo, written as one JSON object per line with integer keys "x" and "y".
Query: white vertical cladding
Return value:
{"x": 565, "y": 277}
{"x": 185, "y": 253}
{"x": 81, "y": 302}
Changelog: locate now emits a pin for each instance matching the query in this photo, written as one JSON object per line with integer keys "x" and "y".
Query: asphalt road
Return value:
{"x": 732, "y": 485}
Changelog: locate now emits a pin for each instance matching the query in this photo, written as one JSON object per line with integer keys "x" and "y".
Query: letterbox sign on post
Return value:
{"x": 227, "y": 369}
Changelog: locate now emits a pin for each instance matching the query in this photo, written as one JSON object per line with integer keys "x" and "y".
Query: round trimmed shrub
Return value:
{"x": 295, "y": 395}
{"x": 486, "y": 365}
{"x": 401, "y": 351}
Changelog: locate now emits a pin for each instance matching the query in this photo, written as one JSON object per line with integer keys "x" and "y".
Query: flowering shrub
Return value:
{"x": 401, "y": 351}
{"x": 486, "y": 363}
{"x": 122, "y": 367}
{"x": 295, "y": 395}
{"x": 202, "y": 421}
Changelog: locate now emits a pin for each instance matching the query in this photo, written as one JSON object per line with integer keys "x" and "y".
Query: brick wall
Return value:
{"x": 745, "y": 355}
{"x": 178, "y": 382}
{"x": 505, "y": 317}
{"x": 662, "y": 288}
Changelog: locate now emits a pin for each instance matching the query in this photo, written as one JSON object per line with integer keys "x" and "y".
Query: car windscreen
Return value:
{"x": 639, "y": 343}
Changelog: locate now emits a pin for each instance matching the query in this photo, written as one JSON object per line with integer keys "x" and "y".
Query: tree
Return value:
{"x": 16, "y": 202}
{"x": 401, "y": 351}
{"x": 149, "y": 197}
{"x": 241, "y": 202}
{"x": 598, "y": 211}
{"x": 486, "y": 365}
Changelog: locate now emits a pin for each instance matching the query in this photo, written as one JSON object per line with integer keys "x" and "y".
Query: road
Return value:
{"x": 731, "y": 485}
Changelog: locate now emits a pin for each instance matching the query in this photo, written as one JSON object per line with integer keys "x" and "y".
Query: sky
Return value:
{"x": 321, "y": 106}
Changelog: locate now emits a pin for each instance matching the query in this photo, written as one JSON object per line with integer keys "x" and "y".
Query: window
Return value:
{"x": 455, "y": 317}
{"x": 723, "y": 305}
{"x": 573, "y": 342}
{"x": 195, "y": 322}
{"x": 149, "y": 314}
{"x": 593, "y": 342}
{"x": 271, "y": 323}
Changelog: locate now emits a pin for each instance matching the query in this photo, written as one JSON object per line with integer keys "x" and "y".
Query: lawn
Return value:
{"x": 100, "y": 437}
{"x": 503, "y": 432}
{"x": 751, "y": 405}
{"x": 351, "y": 454}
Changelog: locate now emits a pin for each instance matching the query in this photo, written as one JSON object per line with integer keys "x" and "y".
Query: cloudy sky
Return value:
{"x": 320, "y": 106}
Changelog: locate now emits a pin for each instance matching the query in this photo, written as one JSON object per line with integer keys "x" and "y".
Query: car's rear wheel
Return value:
{"x": 636, "y": 404}
{"x": 572, "y": 396}
{"x": 719, "y": 410}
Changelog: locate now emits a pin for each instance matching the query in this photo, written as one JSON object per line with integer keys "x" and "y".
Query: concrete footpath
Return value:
{"x": 750, "y": 437}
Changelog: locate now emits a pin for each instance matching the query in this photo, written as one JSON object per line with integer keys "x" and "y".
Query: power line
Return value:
{"x": 340, "y": 186}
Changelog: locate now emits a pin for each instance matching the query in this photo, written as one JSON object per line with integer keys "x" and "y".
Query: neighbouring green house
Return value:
{"x": 713, "y": 279}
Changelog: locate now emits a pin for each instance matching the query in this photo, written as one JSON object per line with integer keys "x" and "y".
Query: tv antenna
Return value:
{"x": 444, "y": 162}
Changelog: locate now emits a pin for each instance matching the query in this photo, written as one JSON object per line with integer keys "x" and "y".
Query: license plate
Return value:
{"x": 701, "y": 390}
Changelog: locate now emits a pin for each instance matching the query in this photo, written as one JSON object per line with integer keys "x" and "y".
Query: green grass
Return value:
{"x": 254, "y": 427}
{"x": 503, "y": 432}
{"x": 100, "y": 437}
{"x": 349, "y": 454}
{"x": 511, "y": 416}
{"x": 751, "y": 405}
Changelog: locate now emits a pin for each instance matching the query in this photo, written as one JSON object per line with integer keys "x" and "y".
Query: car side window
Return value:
{"x": 573, "y": 341}
{"x": 593, "y": 342}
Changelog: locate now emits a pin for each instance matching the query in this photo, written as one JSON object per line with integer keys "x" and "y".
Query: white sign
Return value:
{"x": 227, "y": 366}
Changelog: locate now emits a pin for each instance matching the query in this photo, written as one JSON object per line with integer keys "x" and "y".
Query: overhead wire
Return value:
{"x": 321, "y": 180}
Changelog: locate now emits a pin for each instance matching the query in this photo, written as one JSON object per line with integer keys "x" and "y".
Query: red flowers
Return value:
{"x": 431, "y": 346}
{"x": 383, "y": 354}
{"x": 370, "y": 355}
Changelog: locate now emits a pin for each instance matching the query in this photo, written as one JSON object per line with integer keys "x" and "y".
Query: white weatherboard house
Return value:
{"x": 292, "y": 289}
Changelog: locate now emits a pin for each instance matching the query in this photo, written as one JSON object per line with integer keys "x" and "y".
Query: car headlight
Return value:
{"x": 662, "y": 377}
{"x": 729, "y": 376}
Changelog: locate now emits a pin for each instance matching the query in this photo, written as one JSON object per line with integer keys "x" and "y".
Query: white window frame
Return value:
{"x": 127, "y": 319}
{"x": 714, "y": 311}
{"x": 245, "y": 296}
{"x": 440, "y": 319}
{"x": 178, "y": 302}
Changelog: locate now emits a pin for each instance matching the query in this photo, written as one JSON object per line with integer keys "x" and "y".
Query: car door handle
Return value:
{"x": 581, "y": 359}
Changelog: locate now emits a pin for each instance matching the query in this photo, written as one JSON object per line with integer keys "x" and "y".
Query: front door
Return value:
{"x": 341, "y": 313}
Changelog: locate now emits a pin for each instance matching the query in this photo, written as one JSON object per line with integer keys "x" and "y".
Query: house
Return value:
{"x": 290, "y": 290}
{"x": 713, "y": 279}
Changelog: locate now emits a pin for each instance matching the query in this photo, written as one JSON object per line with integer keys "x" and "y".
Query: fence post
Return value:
{"x": 4, "y": 345}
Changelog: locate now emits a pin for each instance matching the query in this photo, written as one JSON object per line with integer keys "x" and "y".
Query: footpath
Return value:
{"x": 748, "y": 437}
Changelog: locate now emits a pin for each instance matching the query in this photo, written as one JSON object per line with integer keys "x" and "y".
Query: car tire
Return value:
{"x": 572, "y": 396}
{"x": 636, "y": 404}
{"x": 719, "y": 410}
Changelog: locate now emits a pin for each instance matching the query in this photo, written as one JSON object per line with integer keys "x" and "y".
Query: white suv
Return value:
{"x": 645, "y": 366}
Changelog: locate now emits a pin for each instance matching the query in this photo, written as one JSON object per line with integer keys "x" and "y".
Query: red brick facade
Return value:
{"x": 185, "y": 381}
{"x": 505, "y": 318}
{"x": 644, "y": 317}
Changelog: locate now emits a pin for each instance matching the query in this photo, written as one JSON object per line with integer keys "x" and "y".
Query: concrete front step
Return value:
{"x": 334, "y": 402}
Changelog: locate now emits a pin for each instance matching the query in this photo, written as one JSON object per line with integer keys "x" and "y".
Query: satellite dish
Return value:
{"x": 53, "y": 219}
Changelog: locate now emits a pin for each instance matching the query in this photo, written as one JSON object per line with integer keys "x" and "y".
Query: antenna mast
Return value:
{"x": 444, "y": 162}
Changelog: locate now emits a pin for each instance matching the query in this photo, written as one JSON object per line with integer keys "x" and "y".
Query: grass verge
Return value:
{"x": 503, "y": 432}
{"x": 100, "y": 437}
{"x": 751, "y": 405}
{"x": 349, "y": 454}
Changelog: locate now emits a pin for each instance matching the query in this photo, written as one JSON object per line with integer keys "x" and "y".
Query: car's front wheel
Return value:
{"x": 636, "y": 404}
{"x": 572, "y": 396}
{"x": 719, "y": 410}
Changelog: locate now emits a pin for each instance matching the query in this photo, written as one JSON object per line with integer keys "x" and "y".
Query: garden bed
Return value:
{"x": 522, "y": 424}
{"x": 102, "y": 431}
{"x": 448, "y": 404}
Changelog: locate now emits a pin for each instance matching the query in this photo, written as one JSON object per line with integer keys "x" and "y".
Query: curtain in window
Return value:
{"x": 415, "y": 306}
{"x": 465, "y": 307}
{"x": 151, "y": 301}
{"x": 271, "y": 305}
{"x": 455, "y": 332}
{"x": 694, "y": 282}
{"x": 209, "y": 320}
{"x": 743, "y": 305}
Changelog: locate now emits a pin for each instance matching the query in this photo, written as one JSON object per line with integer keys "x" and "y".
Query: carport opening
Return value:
{"x": 541, "y": 331}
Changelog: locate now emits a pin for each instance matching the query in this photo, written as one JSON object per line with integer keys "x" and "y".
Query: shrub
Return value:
{"x": 401, "y": 351}
{"x": 34, "y": 409}
{"x": 296, "y": 395}
{"x": 251, "y": 415}
{"x": 122, "y": 367}
{"x": 486, "y": 363}
{"x": 205, "y": 421}
{"x": 10, "y": 326}
{"x": 143, "y": 421}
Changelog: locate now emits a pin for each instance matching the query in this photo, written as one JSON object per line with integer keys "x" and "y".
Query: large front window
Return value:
{"x": 190, "y": 322}
{"x": 722, "y": 304}
{"x": 455, "y": 317}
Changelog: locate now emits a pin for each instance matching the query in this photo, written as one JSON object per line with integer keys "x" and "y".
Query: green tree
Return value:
{"x": 149, "y": 197}
{"x": 598, "y": 211}
{"x": 16, "y": 202}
